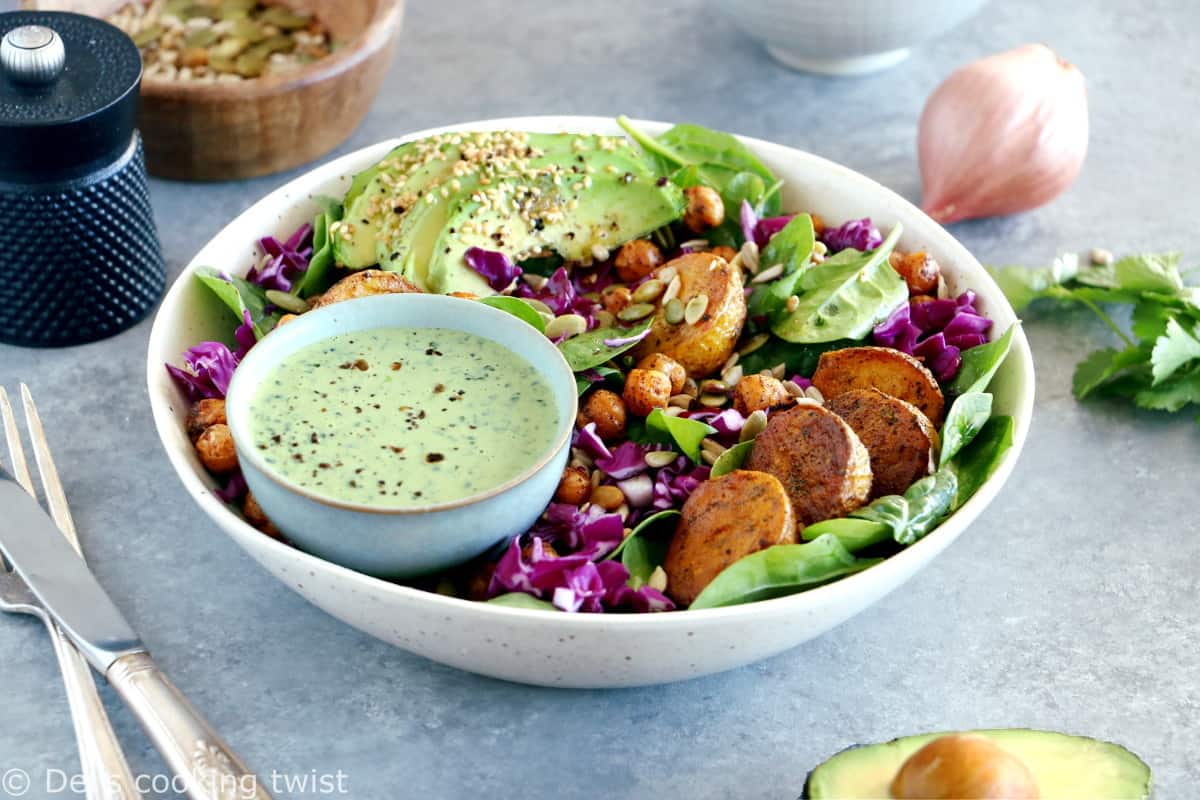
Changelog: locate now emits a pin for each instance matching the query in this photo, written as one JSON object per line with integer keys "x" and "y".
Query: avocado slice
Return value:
{"x": 1062, "y": 765}
{"x": 600, "y": 197}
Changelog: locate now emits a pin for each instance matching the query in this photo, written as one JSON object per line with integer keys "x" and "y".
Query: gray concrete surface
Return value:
{"x": 1071, "y": 604}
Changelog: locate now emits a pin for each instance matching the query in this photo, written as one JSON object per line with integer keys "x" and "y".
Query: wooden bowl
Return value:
{"x": 211, "y": 132}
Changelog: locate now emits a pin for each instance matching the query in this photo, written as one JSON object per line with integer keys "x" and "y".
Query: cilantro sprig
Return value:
{"x": 1159, "y": 366}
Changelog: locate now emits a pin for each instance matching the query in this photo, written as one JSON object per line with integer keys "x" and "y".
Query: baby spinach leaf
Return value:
{"x": 854, "y": 534}
{"x": 845, "y": 297}
{"x": 1173, "y": 349}
{"x": 980, "y": 363}
{"x": 966, "y": 418}
{"x": 685, "y": 433}
{"x": 316, "y": 278}
{"x": 645, "y": 525}
{"x": 792, "y": 247}
{"x": 781, "y": 570}
{"x": 583, "y": 384}
{"x": 731, "y": 459}
{"x": 913, "y": 514}
{"x": 798, "y": 359}
{"x": 641, "y": 556}
{"x": 522, "y": 600}
{"x": 588, "y": 349}
{"x": 518, "y": 308}
{"x": 975, "y": 463}
{"x": 542, "y": 265}
{"x": 240, "y": 295}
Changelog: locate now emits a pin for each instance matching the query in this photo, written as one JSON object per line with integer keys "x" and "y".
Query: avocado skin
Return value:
{"x": 1138, "y": 786}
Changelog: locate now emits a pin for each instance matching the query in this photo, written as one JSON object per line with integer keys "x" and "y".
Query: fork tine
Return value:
{"x": 56, "y": 498}
{"x": 15, "y": 453}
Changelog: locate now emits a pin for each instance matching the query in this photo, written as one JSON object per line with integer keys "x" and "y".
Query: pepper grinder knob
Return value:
{"x": 32, "y": 54}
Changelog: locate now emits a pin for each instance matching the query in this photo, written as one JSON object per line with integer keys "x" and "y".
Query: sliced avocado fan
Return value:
{"x": 1063, "y": 766}
{"x": 427, "y": 202}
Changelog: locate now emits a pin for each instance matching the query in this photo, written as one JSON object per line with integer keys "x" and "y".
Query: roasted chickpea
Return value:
{"x": 646, "y": 390}
{"x": 253, "y": 511}
{"x": 479, "y": 580}
{"x": 607, "y": 410}
{"x": 920, "y": 271}
{"x": 574, "y": 486}
{"x": 723, "y": 252}
{"x": 609, "y": 498}
{"x": 704, "y": 209}
{"x": 818, "y": 224}
{"x": 637, "y": 259}
{"x": 616, "y": 298}
{"x": 547, "y": 550}
{"x": 962, "y": 766}
{"x": 204, "y": 413}
{"x": 921, "y": 298}
{"x": 215, "y": 447}
{"x": 758, "y": 392}
{"x": 661, "y": 362}
{"x": 285, "y": 319}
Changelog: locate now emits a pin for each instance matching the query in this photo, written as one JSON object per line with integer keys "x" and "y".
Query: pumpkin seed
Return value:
{"x": 753, "y": 343}
{"x": 580, "y": 457}
{"x": 681, "y": 400}
{"x": 673, "y": 411}
{"x": 284, "y": 18}
{"x": 732, "y": 375}
{"x": 753, "y": 426}
{"x": 749, "y": 254}
{"x": 807, "y": 401}
{"x": 694, "y": 244}
{"x": 658, "y": 579}
{"x": 713, "y": 400}
{"x": 729, "y": 362}
{"x": 711, "y": 386}
{"x": 228, "y": 49}
{"x": 814, "y": 394}
{"x": 249, "y": 30}
{"x": 147, "y": 35}
{"x": 250, "y": 64}
{"x": 535, "y": 282}
{"x": 691, "y": 388}
{"x": 709, "y": 458}
{"x": 656, "y": 459}
{"x": 567, "y": 325}
{"x": 673, "y": 312}
{"x": 604, "y": 319}
{"x": 649, "y": 291}
{"x": 695, "y": 309}
{"x": 674, "y": 284}
{"x": 635, "y": 312}
{"x": 667, "y": 274}
{"x": 539, "y": 306}
{"x": 768, "y": 274}
{"x": 287, "y": 301}
{"x": 202, "y": 37}
{"x": 794, "y": 389}
{"x": 778, "y": 371}
{"x": 713, "y": 445}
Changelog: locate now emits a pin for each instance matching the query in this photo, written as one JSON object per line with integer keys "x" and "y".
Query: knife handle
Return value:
{"x": 105, "y": 770}
{"x": 189, "y": 745}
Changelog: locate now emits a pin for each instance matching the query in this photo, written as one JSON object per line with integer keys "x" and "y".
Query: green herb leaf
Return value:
{"x": 1149, "y": 273}
{"x": 845, "y": 297}
{"x": 979, "y": 364}
{"x": 240, "y": 295}
{"x": 781, "y": 570}
{"x": 1149, "y": 319}
{"x": 588, "y": 349}
{"x": 1172, "y": 394}
{"x": 976, "y": 462}
{"x": 917, "y": 511}
{"x": 1097, "y": 370}
{"x": 966, "y": 418}
{"x": 854, "y": 534}
{"x": 518, "y": 308}
{"x": 522, "y": 600}
{"x": 1175, "y": 348}
{"x": 731, "y": 459}
{"x": 1022, "y": 286}
{"x": 792, "y": 247}
{"x": 644, "y": 526}
{"x": 686, "y": 434}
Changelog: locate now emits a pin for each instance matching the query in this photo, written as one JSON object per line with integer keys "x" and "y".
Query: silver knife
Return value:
{"x": 66, "y": 588}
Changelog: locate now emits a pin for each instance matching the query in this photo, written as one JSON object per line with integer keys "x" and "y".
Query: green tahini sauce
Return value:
{"x": 402, "y": 417}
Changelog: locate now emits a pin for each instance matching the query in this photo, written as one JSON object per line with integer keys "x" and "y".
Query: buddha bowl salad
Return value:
{"x": 769, "y": 400}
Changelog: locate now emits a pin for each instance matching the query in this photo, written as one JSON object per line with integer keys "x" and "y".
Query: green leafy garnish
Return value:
{"x": 976, "y": 462}
{"x": 854, "y": 534}
{"x": 518, "y": 308}
{"x": 792, "y": 247}
{"x": 914, "y": 513}
{"x": 845, "y": 297}
{"x": 731, "y": 459}
{"x": 588, "y": 350}
{"x": 649, "y": 522}
{"x": 966, "y": 418}
{"x": 522, "y": 600}
{"x": 316, "y": 278}
{"x": 240, "y": 295}
{"x": 979, "y": 364}
{"x": 686, "y": 434}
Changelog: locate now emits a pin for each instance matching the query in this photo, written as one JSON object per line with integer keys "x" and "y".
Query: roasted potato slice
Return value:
{"x": 882, "y": 368}
{"x": 365, "y": 283}
{"x": 704, "y": 346}
{"x": 818, "y": 458}
{"x": 723, "y": 520}
{"x": 901, "y": 440}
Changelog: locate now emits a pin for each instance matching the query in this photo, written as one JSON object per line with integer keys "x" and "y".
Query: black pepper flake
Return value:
{"x": 661, "y": 181}
{"x": 433, "y": 458}
{"x": 395, "y": 449}
{"x": 324, "y": 465}
{"x": 398, "y": 209}
{"x": 358, "y": 409}
{"x": 298, "y": 457}
{"x": 354, "y": 484}
{"x": 439, "y": 388}
{"x": 314, "y": 438}
{"x": 277, "y": 438}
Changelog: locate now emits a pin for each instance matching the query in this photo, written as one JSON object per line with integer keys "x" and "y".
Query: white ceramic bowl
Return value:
{"x": 845, "y": 37}
{"x": 403, "y": 542}
{"x": 576, "y": 650}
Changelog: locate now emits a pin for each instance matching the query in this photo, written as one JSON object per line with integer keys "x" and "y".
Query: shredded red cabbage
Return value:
{"x": 234, "y": 489}
{"x": 802, "y": 381}
{"x": 587, "y": 439}
{"x": 211, "y": 364}
{"x": 937, "y": 331}
{"x": 562, "y": 295}
{"x": 627, "y": 460}
{"x": 674, "y": 482}
{"x": 287, "y": 260}
{"x": 728, "y": 423}
{"x": 761, "y": 230}
{"x": 859, "y": 234}
{"x": 496, "y": 268}
{"x": 244, "y": 335}
{"x": 622, "y": 341}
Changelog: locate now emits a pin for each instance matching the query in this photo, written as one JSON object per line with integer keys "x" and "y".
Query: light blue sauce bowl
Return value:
{"x": 413, "y": 541}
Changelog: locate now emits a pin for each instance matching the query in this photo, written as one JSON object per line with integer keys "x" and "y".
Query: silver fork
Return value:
{"x": 105, "y": 770}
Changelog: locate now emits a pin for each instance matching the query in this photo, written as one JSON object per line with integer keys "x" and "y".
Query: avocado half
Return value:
{"x": 1065, "y": 767}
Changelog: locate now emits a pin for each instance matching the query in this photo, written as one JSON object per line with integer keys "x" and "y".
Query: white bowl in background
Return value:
{"x": 845, "y": 37}
{"x": 559, "y": 649}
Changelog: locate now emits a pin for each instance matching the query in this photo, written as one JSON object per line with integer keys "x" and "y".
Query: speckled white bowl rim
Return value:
{"x": 964, "y": 270}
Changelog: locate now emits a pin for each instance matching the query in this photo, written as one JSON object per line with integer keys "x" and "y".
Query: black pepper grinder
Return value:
{"x": 79, "y": 253}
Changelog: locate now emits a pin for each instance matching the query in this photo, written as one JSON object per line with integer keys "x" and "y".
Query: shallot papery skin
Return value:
{"x": 1004, "y": 134}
